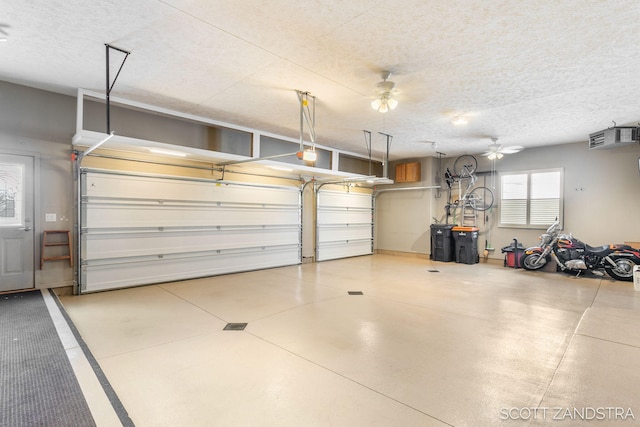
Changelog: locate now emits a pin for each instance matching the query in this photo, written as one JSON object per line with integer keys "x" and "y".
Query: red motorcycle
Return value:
{"x": 572, "y": 255}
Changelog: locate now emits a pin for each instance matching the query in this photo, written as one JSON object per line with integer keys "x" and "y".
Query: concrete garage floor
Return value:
{"x": 466, "y": 345}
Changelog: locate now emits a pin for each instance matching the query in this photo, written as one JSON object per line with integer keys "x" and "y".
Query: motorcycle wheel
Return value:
{"x": 529, "y": 262}
{"x": 623, "y": 269}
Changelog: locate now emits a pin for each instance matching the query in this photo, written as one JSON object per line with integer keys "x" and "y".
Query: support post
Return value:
{"x": 385, "y": 165}
{"x": 367, "y": 142}
{"x": 109, "y": 84}
{"x": 307, "y": 115}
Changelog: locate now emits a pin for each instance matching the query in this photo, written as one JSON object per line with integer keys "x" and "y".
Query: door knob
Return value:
{"x": 27, "y": 228}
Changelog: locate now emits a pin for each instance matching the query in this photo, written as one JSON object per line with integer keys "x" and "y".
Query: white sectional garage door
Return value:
{"x": 139, "y": 229}
{"x": 344, "y": 224}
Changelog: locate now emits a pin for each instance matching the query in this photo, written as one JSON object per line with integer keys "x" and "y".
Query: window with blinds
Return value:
{"x": 530, "y": 199}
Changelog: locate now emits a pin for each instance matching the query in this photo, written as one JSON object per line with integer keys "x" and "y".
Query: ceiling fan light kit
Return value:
{"x": 384, "y": 99}
{"x": 497, "y": 151}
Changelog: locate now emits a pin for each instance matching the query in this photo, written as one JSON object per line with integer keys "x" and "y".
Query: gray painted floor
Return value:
{"x": 468, "y": 345}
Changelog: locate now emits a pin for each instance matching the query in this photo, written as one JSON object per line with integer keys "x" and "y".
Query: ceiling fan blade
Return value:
{"x": 512, "y": 149}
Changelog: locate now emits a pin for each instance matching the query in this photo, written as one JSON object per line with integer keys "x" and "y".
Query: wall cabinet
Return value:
{"x": 408, "y": 172}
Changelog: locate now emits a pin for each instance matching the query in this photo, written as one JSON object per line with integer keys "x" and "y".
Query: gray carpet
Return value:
{"x": 37, "y": 384}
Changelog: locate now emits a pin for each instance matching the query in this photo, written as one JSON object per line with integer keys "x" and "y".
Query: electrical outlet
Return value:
{"x": 50, "y": 217}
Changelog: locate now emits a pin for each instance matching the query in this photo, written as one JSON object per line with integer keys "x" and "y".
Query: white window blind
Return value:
{"x": 530, "y": 199}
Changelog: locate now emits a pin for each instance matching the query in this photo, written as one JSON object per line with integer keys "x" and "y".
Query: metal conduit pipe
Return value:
{"x": 383, "y": 190}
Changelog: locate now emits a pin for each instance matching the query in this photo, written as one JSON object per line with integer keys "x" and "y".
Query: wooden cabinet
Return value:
{"x": 408, "y": 172}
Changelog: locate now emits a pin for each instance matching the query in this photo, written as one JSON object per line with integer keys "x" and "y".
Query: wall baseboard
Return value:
{"x": 483, "y": 260}
{"x": 400, "y": 253}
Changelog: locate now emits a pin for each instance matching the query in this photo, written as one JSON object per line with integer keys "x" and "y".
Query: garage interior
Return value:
{"x": 204, "y": 271}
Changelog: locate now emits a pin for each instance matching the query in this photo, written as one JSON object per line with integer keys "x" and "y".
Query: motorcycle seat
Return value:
{"x": 597, "y": 249}
{"x": 620, "y": 247}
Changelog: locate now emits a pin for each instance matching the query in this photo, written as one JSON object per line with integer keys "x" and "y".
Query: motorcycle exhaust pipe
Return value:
{"x": 610, "y": 261}
{"x": 560, "y": 263}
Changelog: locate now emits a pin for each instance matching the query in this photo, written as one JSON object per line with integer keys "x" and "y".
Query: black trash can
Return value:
{"x": 466, "y": 244}
{"x": 442, "y": 242}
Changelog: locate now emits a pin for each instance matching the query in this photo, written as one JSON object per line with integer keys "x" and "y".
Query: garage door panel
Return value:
{"x": 336, "y": 250}
{"x": 118, "y": 185}
{"x": 117, "y": 245}
{"x": 334, "y": 216}
{"x": 335, "y": 199}
{"x": 100, "y": 215}
{"x": 333, "y": 234}
{"x": 142, "y": 271}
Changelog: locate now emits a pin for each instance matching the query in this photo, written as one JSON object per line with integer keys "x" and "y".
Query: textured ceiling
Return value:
{"x": 528, "y": 73}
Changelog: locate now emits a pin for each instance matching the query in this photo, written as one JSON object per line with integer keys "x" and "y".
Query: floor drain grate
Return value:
{"x": 433, "y": 271}
{"x": 355, "y": 293}
{"x": 235, "y": 327}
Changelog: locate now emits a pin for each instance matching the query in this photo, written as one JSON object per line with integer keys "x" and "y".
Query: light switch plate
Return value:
{"x": 50, "y": 217}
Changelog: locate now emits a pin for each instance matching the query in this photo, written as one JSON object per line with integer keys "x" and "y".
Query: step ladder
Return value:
{"x": 47, "y": 243}
{"x": 469, "y": 215}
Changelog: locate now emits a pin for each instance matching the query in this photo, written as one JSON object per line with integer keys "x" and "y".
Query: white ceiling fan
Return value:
{"x": 497, "y": 151}
{"x": 385, "y": 94}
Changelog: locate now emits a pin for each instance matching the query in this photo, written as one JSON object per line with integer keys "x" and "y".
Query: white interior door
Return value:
{"x": 16, "y": 222}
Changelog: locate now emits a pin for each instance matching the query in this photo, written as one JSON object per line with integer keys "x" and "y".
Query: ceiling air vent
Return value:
{"x": 613, "y": 137}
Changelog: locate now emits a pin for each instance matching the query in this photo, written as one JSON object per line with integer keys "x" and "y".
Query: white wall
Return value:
{"x": 402, "y": 218}
{"x": 41, "y": 124}
{"x": 601, "y": 188}
{"x": 402, "y": 221}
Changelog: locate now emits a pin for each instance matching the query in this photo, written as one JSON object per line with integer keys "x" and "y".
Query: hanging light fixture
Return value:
{"x": 309, "y": 154}
{"x": 384, "y": 92}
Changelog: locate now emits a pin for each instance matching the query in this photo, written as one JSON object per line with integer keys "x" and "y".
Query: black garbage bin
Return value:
{"x": 466, "y": 244}
{"x": 442, "y": 242}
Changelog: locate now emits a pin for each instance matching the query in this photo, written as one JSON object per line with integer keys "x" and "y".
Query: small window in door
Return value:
{"x": 11, "y": 194}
